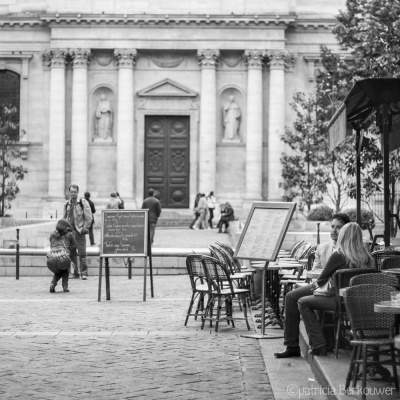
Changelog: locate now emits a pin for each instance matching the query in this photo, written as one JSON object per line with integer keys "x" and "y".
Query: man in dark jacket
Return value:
{"x": 93, "y": 209}
{"x": 154, "y": 207}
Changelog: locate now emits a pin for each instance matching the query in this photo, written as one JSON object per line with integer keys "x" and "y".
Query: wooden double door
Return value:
{"x": 167, "y": 159}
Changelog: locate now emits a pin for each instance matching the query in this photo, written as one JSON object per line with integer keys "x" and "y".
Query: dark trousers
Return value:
{"x": 211, "y": 211}
{"x": 91, "y": 237}
{"x": 301, "y": 301}
{"x": 221, "y": 223}
{"x": 80, "y": 250}
{"x": 152, "y": 231}
{"x": 196, "y": 216}
{"x": 61, "y": 275}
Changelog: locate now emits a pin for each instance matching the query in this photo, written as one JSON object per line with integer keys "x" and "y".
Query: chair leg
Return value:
{"x": 396, "y": 378}
{"x": 245, "y": 298}
{"x": 190, "y": 308}
{"x": 357, "y": 366}
{"x": 364, "y": 373}
{"x": 338, "y": 331}
{"x": 351, "y": 367}
{"x": 218, "y": 313}
{"x": 207, "y": 311}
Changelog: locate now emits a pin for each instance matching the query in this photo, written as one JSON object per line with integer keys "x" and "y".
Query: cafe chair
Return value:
{"x": 290, "y": 253}
{"x": 217, "y": 274}
{"x": 380, "y": 255}
{"x": 374, "y": 279}
{"x": 198, "y": 283}
{"x": 390, "y": 262}
{"x": 341, "y": 279}
{"x": 371, "y": 331}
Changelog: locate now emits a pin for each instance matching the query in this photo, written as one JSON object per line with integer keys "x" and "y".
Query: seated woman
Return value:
{"x": 227, "y": 215}
{"x": 350, "y": 253}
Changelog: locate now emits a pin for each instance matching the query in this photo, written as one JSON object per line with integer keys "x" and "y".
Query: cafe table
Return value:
{"x": 389, "y": 307}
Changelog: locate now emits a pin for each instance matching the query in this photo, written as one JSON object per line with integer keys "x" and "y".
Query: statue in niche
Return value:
{"x": 231, "y": 119}
{"x": 104, "y": 120}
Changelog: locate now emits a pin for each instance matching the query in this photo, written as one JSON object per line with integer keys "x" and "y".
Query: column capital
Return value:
{"x": 254, "y": 58}
{"x": 290, "y": 62}
{"x": 126, "y": 58}
{"x": 280, "y": 59}
{"x": 80, "y": 57}
{"x": 208, "y": 58}
{"x": 55, "y": 58}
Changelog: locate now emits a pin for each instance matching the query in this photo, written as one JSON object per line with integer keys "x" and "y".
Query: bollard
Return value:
{"x": 26, "y": 215}
{"x": 129, "y": 268}
{"x": 17, "y": 257}
{"x": 318, "y": 239}
{"x": 56, "y": 214}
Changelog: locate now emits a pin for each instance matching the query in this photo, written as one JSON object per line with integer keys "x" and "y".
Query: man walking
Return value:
{"x": 79, "y": 215}
{"x": 93, "y": 210}
{"x": 154, "y": 206}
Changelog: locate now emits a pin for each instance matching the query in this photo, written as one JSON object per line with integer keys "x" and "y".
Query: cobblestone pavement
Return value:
{"x": 69, "y": 346}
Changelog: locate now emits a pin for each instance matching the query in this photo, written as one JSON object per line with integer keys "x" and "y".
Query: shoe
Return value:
{"x": 321, "y": 351}
{"x": 195, "y": 228}
{"x": 65, "y": 289}
{"x": 289, "y": 352}
{"x": 52, "y": 288}
{"x": 74, "y": 276}
{"x": 84, "y": 277}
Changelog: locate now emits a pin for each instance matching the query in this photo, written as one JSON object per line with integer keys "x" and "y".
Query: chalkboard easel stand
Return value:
{"x": 150, "y": 264}
{"x": 107, "y": 276}
{"x": 263, "y": 335}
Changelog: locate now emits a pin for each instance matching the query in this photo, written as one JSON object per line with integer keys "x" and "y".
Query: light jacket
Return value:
{"x": 82, "y": 217}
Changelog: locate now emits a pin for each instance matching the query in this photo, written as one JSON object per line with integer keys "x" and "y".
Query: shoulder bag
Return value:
{"x": 58, "y": 259}
{"x": 326, "y": 289}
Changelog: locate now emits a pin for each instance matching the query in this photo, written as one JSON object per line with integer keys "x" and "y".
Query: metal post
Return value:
{"x": 318, "y": 238}
{"x": 386, "y": 189}
{"x": 129, "y": 268}
{"x": 17, "y": 257}
{"x": 108, "y": 292}
{"x": 358, "y": 177}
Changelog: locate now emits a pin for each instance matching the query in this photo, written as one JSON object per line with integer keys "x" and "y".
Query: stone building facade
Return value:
{"x": 187, "y": 97}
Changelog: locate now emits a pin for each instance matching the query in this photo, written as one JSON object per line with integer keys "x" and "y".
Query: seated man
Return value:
{"x": 227, "y": 215}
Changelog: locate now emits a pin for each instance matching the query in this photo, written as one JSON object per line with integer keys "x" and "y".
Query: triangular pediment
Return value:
{"x": 167, "y": 88}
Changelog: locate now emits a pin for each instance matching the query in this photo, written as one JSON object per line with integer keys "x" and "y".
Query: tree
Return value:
{"x": 9, "y": 151}
{"x": 302, "y": 171}
{"x": 371, "y": 30}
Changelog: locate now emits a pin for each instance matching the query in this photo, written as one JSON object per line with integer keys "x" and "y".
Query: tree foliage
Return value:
{"x": 303, "y": 175}
{"x": 9, "y": 151}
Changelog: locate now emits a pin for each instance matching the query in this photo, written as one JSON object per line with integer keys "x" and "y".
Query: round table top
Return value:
{"x": 387, "y": 306}
{"x": 394, "y": 271}
{"x": 397, "y": 342}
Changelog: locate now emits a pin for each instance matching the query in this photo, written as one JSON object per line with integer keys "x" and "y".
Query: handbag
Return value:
{"x": 327, "y": 289}
{"x": 58, "y": 260}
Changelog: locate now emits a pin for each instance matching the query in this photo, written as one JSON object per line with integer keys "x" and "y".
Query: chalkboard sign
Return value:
{"x": 264, "y": 231}
{"x": 124, "y": 233}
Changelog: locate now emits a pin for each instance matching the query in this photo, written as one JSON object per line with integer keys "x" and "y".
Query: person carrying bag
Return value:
{"x": 58, "y": 259}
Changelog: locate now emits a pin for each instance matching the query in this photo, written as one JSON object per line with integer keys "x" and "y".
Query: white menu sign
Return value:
{"x": 264, "y": 231}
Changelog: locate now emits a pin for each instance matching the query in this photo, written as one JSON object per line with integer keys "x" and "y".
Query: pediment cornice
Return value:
{"x": 167, "y": 88}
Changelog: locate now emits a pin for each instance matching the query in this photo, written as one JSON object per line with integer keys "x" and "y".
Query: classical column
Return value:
{"x": 56, "y": 60}
{"x": 254, "y": 139}
{"x": 208, "y": 60}
{"x": 79, "y": 129}
{"x": 126, "y": 60}
{"x": 276, "y": 126}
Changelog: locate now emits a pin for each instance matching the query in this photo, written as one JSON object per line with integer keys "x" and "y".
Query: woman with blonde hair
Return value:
{"x": 350, "y": 253}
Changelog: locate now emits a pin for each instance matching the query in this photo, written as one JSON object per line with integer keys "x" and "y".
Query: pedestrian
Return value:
{"x": 211, "y": 202}
{"x": 62, "y": 238}
{"x": 93, "y": 209}
{"x": 154, "y": 207}
{"x": 195, "y": 210}
{"x": 350, "y": 253}
{"x": 79, "y": 215}
{"x": 114, "y": 202}
{"x": 201, "y": 222}
{"x": 121, "y": 206}
{"x": 227, "y": 215}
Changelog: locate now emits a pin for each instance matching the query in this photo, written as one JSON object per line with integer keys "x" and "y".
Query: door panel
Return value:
{"x": 167, "y": 159}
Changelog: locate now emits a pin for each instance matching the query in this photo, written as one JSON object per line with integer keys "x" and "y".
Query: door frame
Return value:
{"x": 192, "y": 111}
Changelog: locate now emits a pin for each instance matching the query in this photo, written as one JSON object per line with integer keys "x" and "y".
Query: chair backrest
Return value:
{"x": 311, "y": 257}
{"x": 390, "y": 262}
{"x": 226, "y": 247}
{"x": 228, "y": 252}
{"x": 195, "y": 269}
{"x": 381, "y": 255}
{"x": 374, "y": 279}
{"x": 222, "y": 257}
{"x": 302, "y": 251}
{"x": 342, "y": 276}
{"x": 217, "y": 273}
{"x": 364, "y": 321}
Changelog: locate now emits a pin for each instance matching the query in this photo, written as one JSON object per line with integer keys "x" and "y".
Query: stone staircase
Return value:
{"x": 176, "y": 218}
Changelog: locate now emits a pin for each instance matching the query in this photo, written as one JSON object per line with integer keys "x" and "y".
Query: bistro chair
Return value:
{"x": 371, "y": 330}
{"x": 198, "y": 283}
{"x": 380, "y": 255}
{"x": 374, "y": 279}
{"x": 341, "y": 279}
{"x": 217, "y": 274}
{"x": 390, "y": 262}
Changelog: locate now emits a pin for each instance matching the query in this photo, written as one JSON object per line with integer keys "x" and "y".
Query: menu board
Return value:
{"x": 123, "y": 233}
{"x": 264, "y": 231}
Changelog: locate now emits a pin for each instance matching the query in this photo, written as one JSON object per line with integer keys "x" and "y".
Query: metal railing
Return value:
{"x": 93, "y": 252}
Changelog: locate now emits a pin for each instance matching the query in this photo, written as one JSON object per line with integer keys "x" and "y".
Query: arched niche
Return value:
{"x": 103, "y": 116}
{"x": 231, "y": 115}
